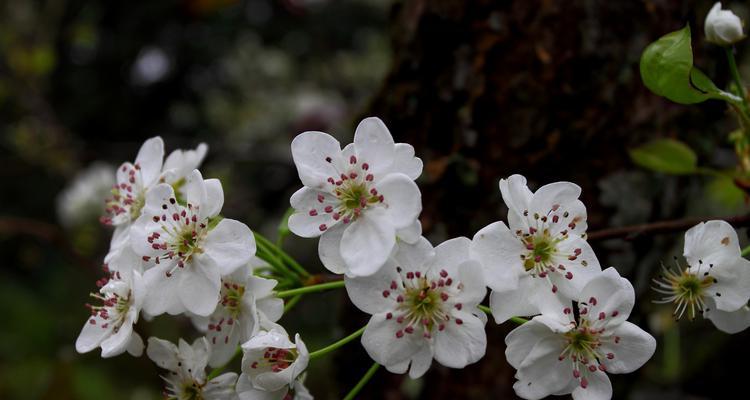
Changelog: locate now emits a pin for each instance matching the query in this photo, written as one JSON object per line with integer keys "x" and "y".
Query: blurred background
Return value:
{"x": 482, "y": 89}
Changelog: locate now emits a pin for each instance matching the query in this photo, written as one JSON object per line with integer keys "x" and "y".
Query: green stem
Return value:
{"x": 284, "y": 257}
{"x": 268, "y": 256}
{"x": 745, "y": 251}
{"x": 517, "y": 320}
{"x": 334, "y": 346}
{"x": 291, "y": 303}
{"x": 216, "y": 371}
{"x": 310, "y": 289}
{"x": 736, "y": 76}
{"x": 362, "y": 382}
{"x": 672, "y": 353}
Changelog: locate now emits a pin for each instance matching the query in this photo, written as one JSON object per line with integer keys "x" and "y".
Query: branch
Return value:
{"x": 633, "y": 231}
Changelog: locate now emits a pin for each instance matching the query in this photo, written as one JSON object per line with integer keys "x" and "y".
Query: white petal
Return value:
{"x": 411, "y": 233}
{"x": 184, "y": 161}
{"x": 612, "y": 293}
{"x": 405, "y": 162}
{"x": 541, "y": 373}
{"x": 214, "y": 198}
{"x": 531, "y": 297}
{"x": 221, "y": 387}
{"x": 374, "y": 145}
{"x": 728, "y": 321}
{"x": 599, "y": 387}
{"x": 247, "y": 391}
{"x": 516, "y": 194}
{"x": 459, "y": 345}
{"x": 230, "y": 244}
{"x": 309, "y": 151}
{"x": 381, "y": 343}
{"x": 150, "y": 158}
{"x": 450, "y": 254}
{"x": 571, "y": 288}
{"x": 118, "y": 342}
{"x": 499, "y": 251}
{"x": 733, "y": 283}
{"x": 474, "y": 289}
{"x": 634, "y": 348}
{"x": 195, "y": 192}
{"x": 310, "y": 212}
{"x": 329, "y": 249}
{"x": 564, "y": 195}
{"x": 420, "y": 362}
{"x": 367, "y": 243}
{"x": 163, "y": 353}
{"x": 223, "y": 349}
{"x": 135, "y": 346}
{"x": 92, "y": 335}
{"x": 368, "y": 293}
{"x": 403, "y": 201}
{"x": 520, "y": 341}
{"x": 414, "y": 256}
{"x": 163, "y": 293}
{"x": 199, "y": 286}
{"x": 713, "y": 242}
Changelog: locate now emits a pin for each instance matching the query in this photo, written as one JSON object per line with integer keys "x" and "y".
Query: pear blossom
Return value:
{"x": 247, "y": 304}
{"x": 180, "y": 163}
{"x": 424, "y": 305}
{"x": 542, "y": 257}
{"x": 273, "y": 366}
{"x": 557, "y": 353}
{"x": 186, "y": 254}
{"x": 716, "y": 282}
{"x": 359, "y": 200}
{"x": 723, "y": 27}
{"x": 81, "y": 199}
{"x": 110, "y": 325}
{"x": 186, "y": 379}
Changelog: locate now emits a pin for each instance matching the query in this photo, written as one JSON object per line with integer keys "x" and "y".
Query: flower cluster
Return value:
{"x": 173, "y": 252}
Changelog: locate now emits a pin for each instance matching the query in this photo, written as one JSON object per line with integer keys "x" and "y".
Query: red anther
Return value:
{"x": 399, "y": 334}
{"x": 577, "y": 252}
{"x": 459, "y": 321}
{"x": 441, "y": 327}
{"x": 331, "y": 181}
{"x": 344, "y": 177}
{"x": 254, "y": 365}
{"x": 320, "y": 198}
{"x": 418, "y": 274}
{"x": 584, "y": 383}
{"x": 346, "y": 219}
{"x": 328, "y": 159}
{"x": 555, "y": 219}
{"x": 610, "y": 356}
{"x": 572, "y": 258}
{"x": 194, "y": 218}
{"x": 615, "y": 313}
{"x": 155, "y": 218}
{"x": 458, "y": 306}
{"x": 394, "y": 286}
{"x": 592, "y": 368}
{"x": 352, "y": 160}
{"x": 156, "y": 246}
{"x": 329, "y": 209}
{"x": 365, "y": 166}
{"x": 400, "y": 319}
{"x": 353, "y": 175}
{"x": 381, "y": 198}
{"x": 183, "y": 213}
{"x": 566, "y": 310}
{"x": 388, "y": 316}
{"x": 92, "y": 321}
{"x": 176, "y": 217}
{"x": 313, "y": 212}
{"x": 443, "y": 273}
{"x": 444, "y": 296}
{"x": 146, "y": 258}
{"x": 374, "y": 192}
{"x": 448, "y": 281}
{"x": 617, "y": 339}
{"x": 322, "y": 227}
{"x": 336, "y": 216}
{"x": 554, "y": 288}
{"x": 369, "y": 177}
{"x": 410, "y": 275}
{"x": 400, "y": 298}
{"x": 602, "y": 316}
{"x": 592, "y": 301}
{"x": 386, "y": 293}
{"x": 576, "y": 374}
{"x": 169, "y": 274}
{"x": 602, "y": 368}
{"x": 572, "y": 225}
{"x": 569, "y": 275}
{"x": 409, "y": 329}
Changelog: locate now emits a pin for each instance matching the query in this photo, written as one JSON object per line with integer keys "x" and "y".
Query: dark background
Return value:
{"x": 481, "y": 89}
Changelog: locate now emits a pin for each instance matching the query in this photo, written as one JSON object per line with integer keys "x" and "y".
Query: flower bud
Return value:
{"x": 723, "y": 27}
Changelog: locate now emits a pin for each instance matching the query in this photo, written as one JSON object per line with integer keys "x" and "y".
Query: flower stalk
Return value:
{"x": 310, "y": 289}
{"x": 336, "y": 345}
{"x": 362, "y": 382}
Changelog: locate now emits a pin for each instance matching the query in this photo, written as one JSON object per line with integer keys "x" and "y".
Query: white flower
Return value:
{"x": 723, "y": 27}
{"x": 110, "y": 325}
{"x": 543, "y": 258}
{"x": 180, "y": 163}
{"x": 187, "y": 255}
{"x": 187, "y": 376}
{"x": 716, "y": 282}
{"x": 272, "y": 366}
{"x": 423, "y": 304}
{"x": 133, "y": 181}
{"x": 555, "y": 354}
{"x": 81, "y": 200}
{"x": 247, "y": 304}
{"x": 359, "y": 198}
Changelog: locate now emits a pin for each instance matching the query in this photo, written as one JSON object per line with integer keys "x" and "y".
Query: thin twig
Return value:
{"x": 633, "y": 231}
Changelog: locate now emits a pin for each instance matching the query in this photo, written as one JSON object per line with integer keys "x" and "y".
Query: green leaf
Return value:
{"x": 723, "y": 191}
{"x": 665, "y": 155}
{"x": 667, "y": 70}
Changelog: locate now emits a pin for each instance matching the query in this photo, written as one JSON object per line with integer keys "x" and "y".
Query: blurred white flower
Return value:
{"x": 723, "y": 27}
{"x": 81, "y": 200}
{"x": 557, "y": 353}
{"x": 110, "y": 325}
{"x": 543, "y": 258}
{"x": 424, "y": 305}
{"x": 716, "y": 282}
{"x": 186, "y": 364}
{"x": 358, "y": 199}
{"x": 185, "y": 255}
